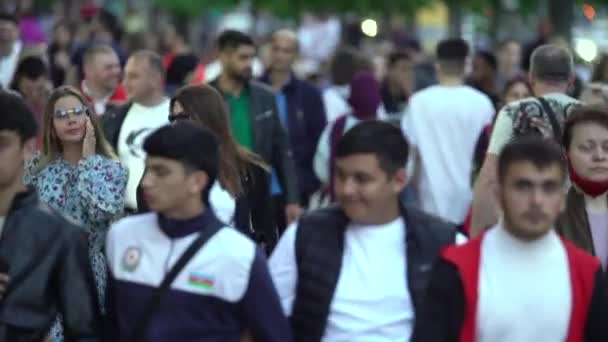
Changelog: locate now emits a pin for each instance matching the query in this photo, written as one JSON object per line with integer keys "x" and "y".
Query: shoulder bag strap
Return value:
{"x": 557, "y": 131}
{"x": 159, "y": 292}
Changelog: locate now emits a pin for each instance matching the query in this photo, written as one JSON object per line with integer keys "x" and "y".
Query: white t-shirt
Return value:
{"x": 334, "y": 99}
{"x": 371, "y": 301}
{"x": 443, "y": 123}
{"x": 139, "y": 123}
{"x": 524, "y": 289}
{"x": 222, "y": 203}
{"x": 322, "y": 155}
{"x": 8, "y": 65}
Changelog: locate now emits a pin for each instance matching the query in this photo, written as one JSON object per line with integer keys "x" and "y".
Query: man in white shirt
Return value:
{"x": 520, "y": 281}
{"x": 10, "y": 48}
{"x": 128, "y": 126}
{"x": 443, "y": 123}
{"x": 357, "y": 272}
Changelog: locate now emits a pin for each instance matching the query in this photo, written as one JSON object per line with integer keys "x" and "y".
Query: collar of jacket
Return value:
{"x": 410, "y": 217}
{"x": 573, "y": 223}
{"x": 23, "y": 199}
{"x": 290, "y": 85}
{"x": 179, "y": 228}
{"x": 216, "y": 84}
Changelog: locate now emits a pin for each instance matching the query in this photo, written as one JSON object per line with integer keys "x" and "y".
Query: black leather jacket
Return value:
{"x": 49, "y": 271}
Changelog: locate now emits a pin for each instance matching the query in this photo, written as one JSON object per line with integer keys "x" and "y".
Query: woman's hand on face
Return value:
{"x": 90, "y": 142}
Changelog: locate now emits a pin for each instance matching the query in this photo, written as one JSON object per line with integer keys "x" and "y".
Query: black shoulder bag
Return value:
{"x": 557, "y": 130}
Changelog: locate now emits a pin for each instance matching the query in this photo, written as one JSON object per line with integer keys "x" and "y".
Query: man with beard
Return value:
{"x": 519, "y": 281}
{"x": 254, "y": 114}
{"x": 101, "y": 84}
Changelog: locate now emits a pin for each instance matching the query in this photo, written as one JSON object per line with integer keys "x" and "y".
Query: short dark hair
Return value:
{"x": 6, "y": 16}
{"x": 452, "y": 54}
{"x": 379, "y": 138}
{"x": 584, "y": 114}
{"x": 488, "y": 57}
{"x": 32, "y": 68}
{"x": 154, "y": 60}
{"x": 515, "y": 80}
{"x": 16, "y": 116}
{"x": 551, "y": 63}
{"x": 96, "y": 49}
{"x": 397, "y": 56}
{"x": 232, "y": 39}
{"x": 455, "y": 49}
{"x": 193, "y": 146}
{"x": 540, "y": 152}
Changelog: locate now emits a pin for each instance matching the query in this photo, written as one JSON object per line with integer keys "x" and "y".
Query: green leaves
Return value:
{"x": 192, "y": 8}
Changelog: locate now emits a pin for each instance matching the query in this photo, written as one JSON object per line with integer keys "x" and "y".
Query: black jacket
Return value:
{"x": 306, "y": 120}
{"x": 48, "y": 263}
{"x": 319, "y": 252}
{"x": 270, "y": 139}
{"x": 112, "y": 121}
{"x": 253, "y": 214}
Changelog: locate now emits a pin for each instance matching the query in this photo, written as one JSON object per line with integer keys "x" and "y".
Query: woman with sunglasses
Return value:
{"x": 241, "y": 195}
{"x": 78, "y": 174}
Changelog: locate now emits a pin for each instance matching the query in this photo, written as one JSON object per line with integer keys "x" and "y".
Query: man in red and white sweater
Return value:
{"x": 102, "y": 75}
{"x": 519, "y": 281}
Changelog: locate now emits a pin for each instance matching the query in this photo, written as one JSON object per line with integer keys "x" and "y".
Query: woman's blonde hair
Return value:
{"x": 52, "y": 147}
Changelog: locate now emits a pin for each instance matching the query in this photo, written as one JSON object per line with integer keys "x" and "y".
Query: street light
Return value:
{"x": 586, "y": 49}
{"x": 369, "y": 27}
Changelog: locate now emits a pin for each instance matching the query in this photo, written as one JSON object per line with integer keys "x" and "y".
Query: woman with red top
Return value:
{"x": 585, "y": 220}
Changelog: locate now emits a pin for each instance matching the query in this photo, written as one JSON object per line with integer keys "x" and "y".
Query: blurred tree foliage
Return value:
{"x": 192, "y": 8}
{"x": 561, "y": 12}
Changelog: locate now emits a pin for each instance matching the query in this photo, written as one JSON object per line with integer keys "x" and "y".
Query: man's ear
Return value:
{"x": 200, "y": 180}
{"x": 400, "y": 179}
{"x": 29, "y": 148}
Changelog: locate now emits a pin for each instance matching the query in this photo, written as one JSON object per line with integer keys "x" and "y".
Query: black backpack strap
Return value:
{"x": 557, "y": 130}
{"x": 153, "y": 304}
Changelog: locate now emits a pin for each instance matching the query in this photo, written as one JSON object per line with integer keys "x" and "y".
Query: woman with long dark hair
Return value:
{"x": 241, "y": 196}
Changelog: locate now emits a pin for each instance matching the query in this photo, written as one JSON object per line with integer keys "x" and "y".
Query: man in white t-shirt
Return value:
{"x": 443, "y": 124}
{"x": 127, "y": 127}
{"x": 10, "y": 48}
{"x": 357, "y": 271}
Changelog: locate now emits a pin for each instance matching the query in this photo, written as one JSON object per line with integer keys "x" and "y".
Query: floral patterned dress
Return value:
{"x": 91, "y": 194}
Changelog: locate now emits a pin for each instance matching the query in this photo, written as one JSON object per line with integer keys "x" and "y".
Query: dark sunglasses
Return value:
{"x": 179, "y": 117}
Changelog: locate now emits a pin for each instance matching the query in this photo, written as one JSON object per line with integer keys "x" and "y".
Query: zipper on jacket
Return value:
{"x": 168, "y": 259}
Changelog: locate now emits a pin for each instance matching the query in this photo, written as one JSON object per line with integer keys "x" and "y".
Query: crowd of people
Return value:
{"x": 428, "y": 202}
